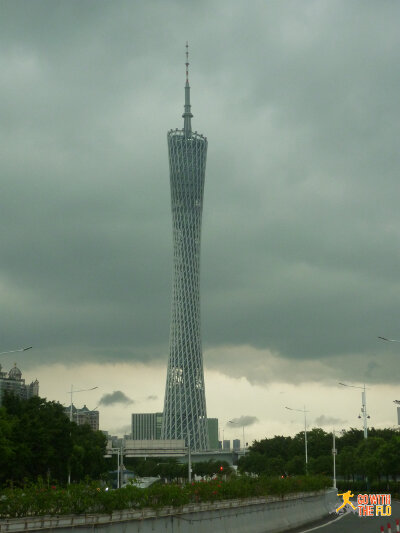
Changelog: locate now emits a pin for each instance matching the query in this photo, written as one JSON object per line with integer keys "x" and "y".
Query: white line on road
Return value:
{"x": 326, "y": 524}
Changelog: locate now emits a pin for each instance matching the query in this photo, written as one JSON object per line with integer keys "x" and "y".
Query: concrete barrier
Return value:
{"x": 252, "y": 515}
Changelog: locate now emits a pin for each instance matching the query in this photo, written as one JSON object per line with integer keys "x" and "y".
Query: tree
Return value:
{"x": 323, "y": 465}
{"x": 253, "y": 463}
{"x": 7, "y": 452}
{"x": 369, "y": 457}
{"x": 389, "y": 457}
{"x": 346, "y": 462}
{"x": 351, "y": 437}
{"x": 45, "y": 442}
{"x": 296, "y": 466}
{"x": 210, "y": 468}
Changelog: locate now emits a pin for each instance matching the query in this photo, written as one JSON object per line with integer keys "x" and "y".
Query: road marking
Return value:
{"x": 326, "y": 524}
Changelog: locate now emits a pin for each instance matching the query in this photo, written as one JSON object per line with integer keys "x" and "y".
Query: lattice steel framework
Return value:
{"x": 185, "y": 415}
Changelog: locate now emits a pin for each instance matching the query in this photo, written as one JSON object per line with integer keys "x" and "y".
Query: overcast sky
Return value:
{"x": 300, "y": 262}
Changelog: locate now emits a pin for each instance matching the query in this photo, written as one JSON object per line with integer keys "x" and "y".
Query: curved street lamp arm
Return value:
{"x": 19, "y": 350}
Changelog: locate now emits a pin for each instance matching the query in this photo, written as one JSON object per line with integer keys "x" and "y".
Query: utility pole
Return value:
{"x": 334, "y": 452}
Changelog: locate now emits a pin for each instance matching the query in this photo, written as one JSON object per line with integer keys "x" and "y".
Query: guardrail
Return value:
{"x": 191, "y": 513}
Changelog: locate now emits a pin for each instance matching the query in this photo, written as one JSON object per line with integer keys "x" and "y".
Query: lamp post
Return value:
{"x": 70, "y": 418}
{"x": 305, "y": 430}
{"x": 334, "y": 452}
{"x": 397, "y": 402}
{"x": 119, "y": 453}
{"x": 244, "y": 442}
{"x": 363, "y": 405}
{"x": 71, "y": 393}
{"x": 19, "y": 350}
{"x": 388, "y": 340}
{"x": 189, "y": 460}
{"x": 364, "y": 413}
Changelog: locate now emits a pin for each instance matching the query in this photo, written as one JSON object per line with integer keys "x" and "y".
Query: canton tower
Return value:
{"x": 185, "y": 415}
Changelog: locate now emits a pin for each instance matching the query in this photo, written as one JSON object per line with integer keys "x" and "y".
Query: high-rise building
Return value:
{"x": 83, "y": 416}
{"x": 185, "y": 415}
{"x": 213, "y": 432}
{"x": 13, "y": 382}
{"x": 226, "y": 445}
{"x": 236, "y": 444}
{"x": 146, "y": 426}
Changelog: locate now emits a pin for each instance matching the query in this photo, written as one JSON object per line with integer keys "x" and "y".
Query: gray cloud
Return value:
{"x": 152, "y": 397}
{"x": 243, "y": 421}
{"x": 122, "y": 430}
{"x": 329, "y": 421}
{"x": 267, "y": 367}
{"x": 301, "y": 218}
{"x": 115, "y": 397}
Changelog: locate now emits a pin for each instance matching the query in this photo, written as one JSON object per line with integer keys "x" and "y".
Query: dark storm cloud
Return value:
{"x": 300, "y": 252}
{"x": 243, "y": 421}
{"x": 115, "y": 397}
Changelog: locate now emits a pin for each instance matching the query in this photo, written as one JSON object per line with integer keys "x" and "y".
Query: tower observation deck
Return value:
{"x": 185, "y": 415}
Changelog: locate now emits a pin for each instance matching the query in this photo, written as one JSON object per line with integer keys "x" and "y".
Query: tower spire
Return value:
{"x": 187, "y": 62}
{"x": 187, "y": 115}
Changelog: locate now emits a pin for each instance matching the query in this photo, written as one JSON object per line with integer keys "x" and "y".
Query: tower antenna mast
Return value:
{"x": 187, "y": 62}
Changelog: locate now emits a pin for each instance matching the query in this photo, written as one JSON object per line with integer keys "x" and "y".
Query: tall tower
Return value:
{"x": 185, "y": 415}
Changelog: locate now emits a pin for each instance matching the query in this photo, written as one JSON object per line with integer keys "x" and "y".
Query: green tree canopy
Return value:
{"x": 37, "y": 439}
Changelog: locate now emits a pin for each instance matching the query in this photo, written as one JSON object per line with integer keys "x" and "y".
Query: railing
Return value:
{"x": 37, "y": 523}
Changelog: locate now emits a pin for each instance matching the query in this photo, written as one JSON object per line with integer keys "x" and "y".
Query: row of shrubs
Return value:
{"x": 38, "y": 500}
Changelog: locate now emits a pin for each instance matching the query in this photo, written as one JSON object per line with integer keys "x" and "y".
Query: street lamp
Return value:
{"x": 305, "y": 430}
{"x": 388, "y": 340}
{"x": 72, "y": 392}
{"x": 363, "y": 405}
{"x": 244, "y": 442}
{"x": 334, "y": 453}
{"x": 19, "y": 350}
{"x": 70, "y": 418}
{"x": 119, "y": 453}
{"x": 189, "y": 459}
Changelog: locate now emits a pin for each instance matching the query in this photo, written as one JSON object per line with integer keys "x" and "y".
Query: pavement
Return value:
{"x": 352, "y": 523}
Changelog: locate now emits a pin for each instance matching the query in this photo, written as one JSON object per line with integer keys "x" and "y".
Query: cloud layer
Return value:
{"x": 323, "y": 421}
{"x": 300, "y": 254}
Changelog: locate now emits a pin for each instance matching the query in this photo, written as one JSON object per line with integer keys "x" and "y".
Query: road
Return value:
{"x": 352, "y": 523}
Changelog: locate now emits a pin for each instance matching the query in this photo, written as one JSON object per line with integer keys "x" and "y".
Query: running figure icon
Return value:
{"x": 346, "y": 500}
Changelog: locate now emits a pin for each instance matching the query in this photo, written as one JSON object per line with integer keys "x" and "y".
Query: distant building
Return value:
{"x": 146, "y": 426}
{"x": 83, "y": 416}
{"x": 236, "y": 444}
{"x": 12, "y": 382}
{"x": 115, "y": 442}
{"x": 213, "y": 432}
{"x": 226, "y": 445}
